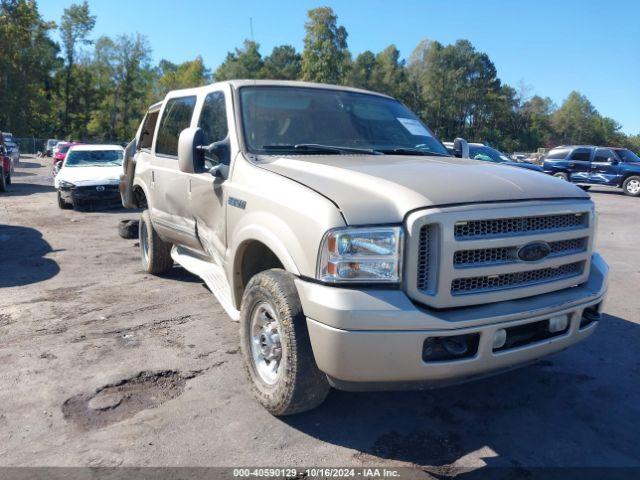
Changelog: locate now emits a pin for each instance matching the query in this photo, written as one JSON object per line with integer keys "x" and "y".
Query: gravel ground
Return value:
{"x": 104, "y": 365}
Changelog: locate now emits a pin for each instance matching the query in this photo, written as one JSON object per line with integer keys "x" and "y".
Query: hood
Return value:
{"x": 87, "y": 176}
{"x": 384, "y": 188}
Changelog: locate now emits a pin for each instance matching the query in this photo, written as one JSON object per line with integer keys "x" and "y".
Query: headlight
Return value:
{"x": 64, "y": 184}
{"x": 367, "y": 254}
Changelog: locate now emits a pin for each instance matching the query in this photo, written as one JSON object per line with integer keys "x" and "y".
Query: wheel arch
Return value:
{"x": 257, "y": 250}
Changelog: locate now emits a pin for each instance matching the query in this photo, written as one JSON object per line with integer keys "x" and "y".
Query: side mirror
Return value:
{"x": 613, "y": 161}
{"x": 190, "y": 157}
{"x": 461, "y": 148}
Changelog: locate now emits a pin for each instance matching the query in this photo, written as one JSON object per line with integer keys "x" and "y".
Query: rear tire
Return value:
{"x": 62, "y": 203}
{"x": 631, "y": 186}
{"x": 154, "y": 252}
{"x": 273, "y": 328}
{"x": 562, "y": 176}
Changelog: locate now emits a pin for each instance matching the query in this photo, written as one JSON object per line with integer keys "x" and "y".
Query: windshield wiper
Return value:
{"x": 316, "y": 147}
{"x": 410, "y": 151}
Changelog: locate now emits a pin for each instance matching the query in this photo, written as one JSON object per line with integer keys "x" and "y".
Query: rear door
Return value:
{"x": 169, "y": 186}
{"x": 605, "y": 168}
{"x": 578, "y": 164}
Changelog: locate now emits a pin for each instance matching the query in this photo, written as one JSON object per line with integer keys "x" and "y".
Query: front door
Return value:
{"x": 207, "y": 191}
{"x": 604, "y": 167}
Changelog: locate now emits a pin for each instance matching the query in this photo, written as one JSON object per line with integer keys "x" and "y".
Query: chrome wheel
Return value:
{"x": 561, "y": 176}
{"x": 144, "y": 243}
{"x": 266, "y": 348}
{"x": 633, "y": 187}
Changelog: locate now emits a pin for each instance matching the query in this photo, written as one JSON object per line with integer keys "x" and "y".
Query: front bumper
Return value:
{"x": 92, "y": 196}
{"x": 372, "y": 339}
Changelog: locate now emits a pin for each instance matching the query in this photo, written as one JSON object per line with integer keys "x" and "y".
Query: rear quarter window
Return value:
{"x": 175, "y": 118}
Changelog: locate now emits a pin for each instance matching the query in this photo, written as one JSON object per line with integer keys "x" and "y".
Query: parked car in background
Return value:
{"x": 352, "y": 248}
{"x": 60, "y": 151}
{"x": 89, "y": 176}
{"x": 6, "y": 167}
{"x": 478, "y": 151}
{"x": 50, "y": 145}
{"x": 588, "y": 165}
{"x": 13, "y": 149}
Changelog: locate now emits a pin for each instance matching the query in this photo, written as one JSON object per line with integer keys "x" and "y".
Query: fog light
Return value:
{"x": 558, "y": 324}
{"x": 499, "y": 338}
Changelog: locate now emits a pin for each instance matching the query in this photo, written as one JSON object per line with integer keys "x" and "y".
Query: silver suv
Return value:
{"x": 352, "y": 248}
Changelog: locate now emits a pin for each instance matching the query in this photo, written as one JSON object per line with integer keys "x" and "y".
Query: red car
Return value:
{"x": 5, "y": 168}
{"x": 61, "y": 154}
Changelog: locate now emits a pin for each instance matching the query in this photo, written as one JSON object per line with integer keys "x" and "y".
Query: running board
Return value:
{"x": 212, "y": 274}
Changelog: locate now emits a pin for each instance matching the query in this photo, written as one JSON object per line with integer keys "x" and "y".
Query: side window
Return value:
{"x": 149, "y": 127}
{"x": 581, "y": 154}
{"x": 176, "y": 117}
{"x": 603, "y": 155}
{"x": 213, "y": 121}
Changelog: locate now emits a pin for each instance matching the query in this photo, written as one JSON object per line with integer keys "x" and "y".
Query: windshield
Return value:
{"x": 8, "y": 137}
{"x": 627, "y": 155}
{"x": 311, "y": 119}
{"x": 94, "y": 158}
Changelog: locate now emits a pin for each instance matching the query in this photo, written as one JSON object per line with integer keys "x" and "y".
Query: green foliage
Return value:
{"x": 188, "y": 74}
{"x": 245, "y": 62}
{"x": 75, "y": 26}
{"x": 100, "y": 90}
{"x": 27, "y": 56}
{"x": 325, "y": 58}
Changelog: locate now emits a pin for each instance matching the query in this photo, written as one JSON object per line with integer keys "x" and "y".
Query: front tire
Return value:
{"x": 631, "y": 186}
{"x": 276, "y": 348}
{"x": 154, "y": 252}
{"x": 562, "y": 176}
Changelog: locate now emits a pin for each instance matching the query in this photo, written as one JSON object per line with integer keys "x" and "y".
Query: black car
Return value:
{"x": 477, "y": 151}
{"x": 589, "y": 165}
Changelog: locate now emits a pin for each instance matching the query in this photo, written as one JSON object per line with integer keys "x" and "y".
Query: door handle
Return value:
{"x": 572, "y": 164}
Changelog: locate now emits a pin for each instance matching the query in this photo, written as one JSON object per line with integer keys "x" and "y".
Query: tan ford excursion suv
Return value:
{"x": 352, "y": 248}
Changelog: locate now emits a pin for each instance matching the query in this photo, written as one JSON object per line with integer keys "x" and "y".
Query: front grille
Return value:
{"x": 424, "y": 256}
{"x": 463, "y": 286}
{"x": 504, "y": 255}
{"x": 519, "y": 225}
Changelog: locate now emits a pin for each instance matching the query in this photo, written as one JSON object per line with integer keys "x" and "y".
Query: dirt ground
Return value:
{"x": 104, "y": 365}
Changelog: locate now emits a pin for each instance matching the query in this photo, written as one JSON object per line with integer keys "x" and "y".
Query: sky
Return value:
{"x": 551, "y": 47}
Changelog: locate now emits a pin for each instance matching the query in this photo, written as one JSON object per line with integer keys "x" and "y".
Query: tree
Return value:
{"x": 75, "y": 26}
{"x": 325, "y": 57}
{"x": 576, "y": 121}
{"x": 361, "y": 71}
{"x": 245, "y": 62}
{"x": 284, "y": 63}
{"x": 188, "y": 74}
{"x": 125, "y": 81}
{"x": 27, "y": 57}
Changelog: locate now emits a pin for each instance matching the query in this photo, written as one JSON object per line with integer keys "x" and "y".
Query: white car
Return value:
{"x": 90, "y": 176}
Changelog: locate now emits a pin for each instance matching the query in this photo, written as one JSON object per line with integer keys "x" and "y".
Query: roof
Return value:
{"x": 82, "y": 147}
{"x": 272, "y": 83}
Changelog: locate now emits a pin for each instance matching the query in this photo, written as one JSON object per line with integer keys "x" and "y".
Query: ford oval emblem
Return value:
{"x": 100, "y": 188}
{"x": 532, "y": 252}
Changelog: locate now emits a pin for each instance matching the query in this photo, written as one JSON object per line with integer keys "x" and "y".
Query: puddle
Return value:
{"x": 116, "y": 402}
